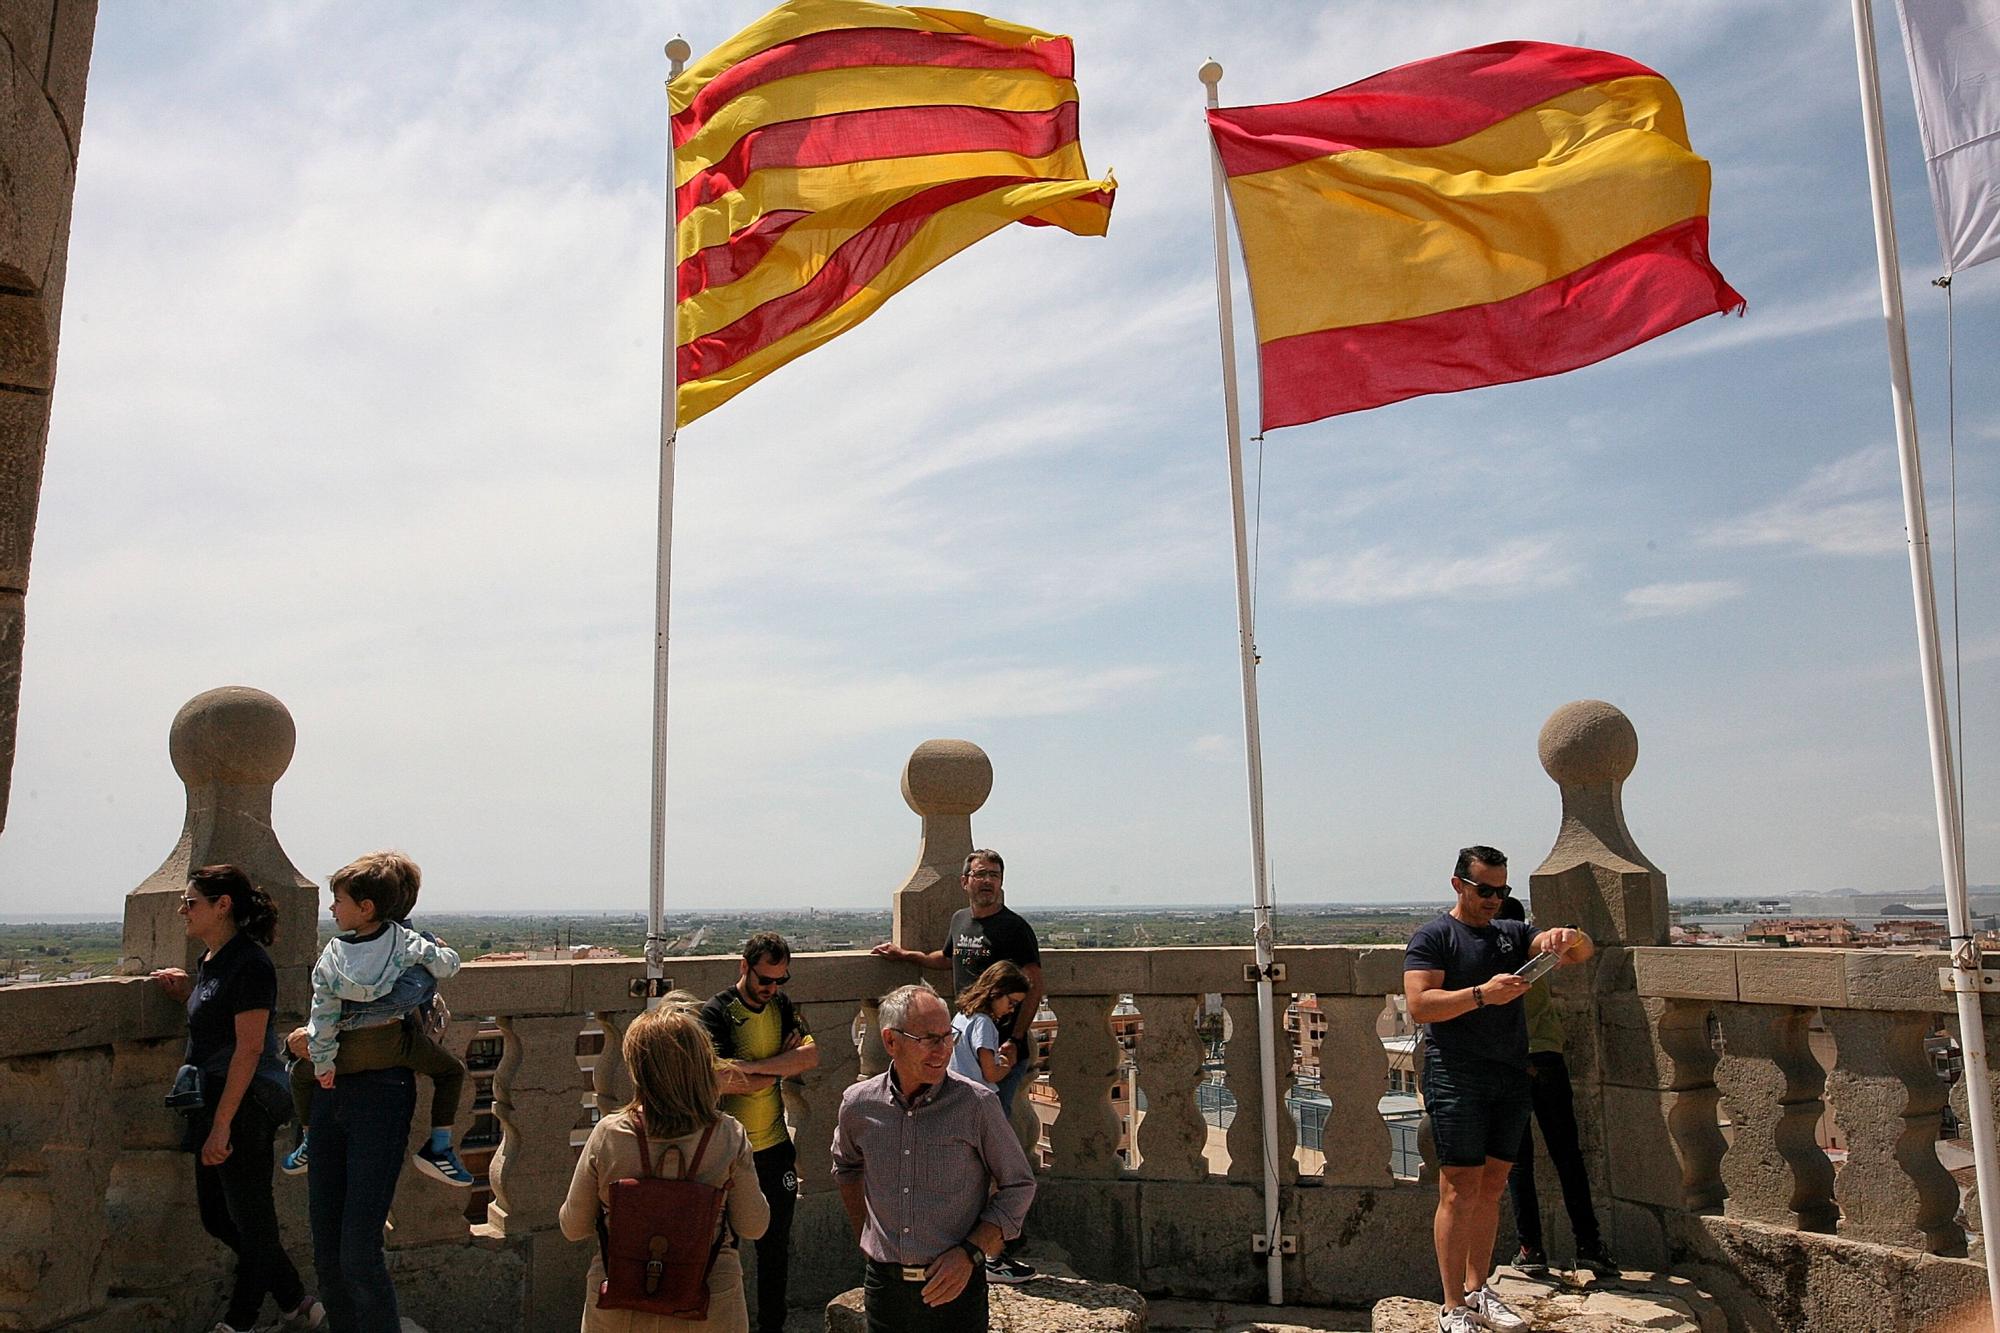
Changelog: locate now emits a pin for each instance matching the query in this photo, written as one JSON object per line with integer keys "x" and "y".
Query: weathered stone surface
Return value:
{"x": 56, "y": 1151}
{"x": 945, "y": 782}
{"x": 1878, "y": 979}
{"x": 538, "y": 1093}
{"x": 1635, "y": 1304}
{"x": 1889, "y": 1100}
{"x": 1595, "y": 877}
{"x": 1770, "y": 1082}
{"x": 62, "y": 1016}
{"x": 1357, "y": 1150}
{"x": 1241, "y": 1066}
{"x": 1800, "y": 1282}
{"x": 812, "y": 1100}
{"x": 1684, "y": 973}
{"x": 1083, "y": 1066}
{"x": 1170, "y": 1132}
{"x": 1046, "y": 1305}
{"x": 1792, "y": 976}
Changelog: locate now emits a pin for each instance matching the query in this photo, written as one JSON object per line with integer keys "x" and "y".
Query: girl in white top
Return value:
{"x": 985, "y": 1010}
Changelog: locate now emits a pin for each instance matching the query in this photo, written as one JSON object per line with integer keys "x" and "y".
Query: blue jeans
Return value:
{"x": 360, "y": 1130}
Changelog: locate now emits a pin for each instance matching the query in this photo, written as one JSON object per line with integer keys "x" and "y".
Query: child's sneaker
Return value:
{"x": 443, "y": 1164}
{"x": 295, "y": 1161}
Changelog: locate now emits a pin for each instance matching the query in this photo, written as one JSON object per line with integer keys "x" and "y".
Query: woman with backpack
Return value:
{"x": 666, "y": 1186}
{"x": 232, "y": 1090}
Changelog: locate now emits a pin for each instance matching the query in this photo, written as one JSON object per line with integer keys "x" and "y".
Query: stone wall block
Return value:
{"x": 944, "y": 782}
{"x": 1883, "y": 1087}
{"x": 1083, "y": 1067}
{"x": 1771, "y": 1087}
{"x": 1646, "y": 1167}
{"x": 1378, "y": 969}
{"x": 56, "y": 1152}
{"x": 1878, "y": 979}
{"x": 1354, "y": 1075}
{"x": 1241, "y": 1069}
{"x": 538, "y": 1093}
{"x": 36, "y": 188}
{"x": 73, "y": 25}
{"x": 1172, "y": 1134}
{"x": 1792, "y": 976}
{"x": 1682, "y": 973}
{"x": 812, "y": 1100}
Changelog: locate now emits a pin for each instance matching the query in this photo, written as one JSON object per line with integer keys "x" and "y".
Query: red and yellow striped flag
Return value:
{"x": 834, "y": 152}
{"x": 1493, "y": 215}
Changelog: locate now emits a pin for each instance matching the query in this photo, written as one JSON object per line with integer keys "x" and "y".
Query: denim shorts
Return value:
{"x": 1479, "y": 1109}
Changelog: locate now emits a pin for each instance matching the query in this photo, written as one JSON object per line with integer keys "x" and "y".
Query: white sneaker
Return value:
{"x": 1459, "y": 1319}
{"x": 1493, "y": 1312}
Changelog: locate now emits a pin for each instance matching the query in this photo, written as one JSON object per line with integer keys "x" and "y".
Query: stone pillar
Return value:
{"x": 230, "y": 747}
{"x": 1596, "y": 878}
{"x": 44, "y": 65}
{"x": 944, "y": 782}
{"x": 1172, "y": 1135}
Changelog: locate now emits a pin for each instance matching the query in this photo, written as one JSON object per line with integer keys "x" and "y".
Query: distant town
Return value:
{"x": 65, "y": 951}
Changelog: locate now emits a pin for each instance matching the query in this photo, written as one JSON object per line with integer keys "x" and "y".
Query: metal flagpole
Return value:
{"x": 1253, "y": 748}
{"x": 1962, "y": 977}
{"x": 678, "y": 52}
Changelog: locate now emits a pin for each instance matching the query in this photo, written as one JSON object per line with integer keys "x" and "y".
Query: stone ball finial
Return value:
{"x": 947, "y": 777}
{"x": 1589, "y": 742}
{"x": 234, "y": 735}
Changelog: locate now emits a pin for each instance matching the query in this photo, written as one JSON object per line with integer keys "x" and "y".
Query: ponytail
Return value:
{"x": 249, "y": 906}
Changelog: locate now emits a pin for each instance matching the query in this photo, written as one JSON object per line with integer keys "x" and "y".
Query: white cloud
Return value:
{"x": 1678, "y": 599}
{"x": 1378, "y": 575}
{"x": 1214, "y": 748}
{"x": 1846, "y": 507}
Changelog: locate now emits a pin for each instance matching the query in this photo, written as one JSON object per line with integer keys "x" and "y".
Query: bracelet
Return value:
{"x": 1478, "y": 998}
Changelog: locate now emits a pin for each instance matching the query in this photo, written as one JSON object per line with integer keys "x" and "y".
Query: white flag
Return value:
{"x": 1954, "y": 49}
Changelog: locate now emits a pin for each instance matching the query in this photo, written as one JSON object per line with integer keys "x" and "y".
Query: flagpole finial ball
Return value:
{"x": 1589, "y": 742}
{"x": 678, "y": 51}
{"x": 1210, "y": 73}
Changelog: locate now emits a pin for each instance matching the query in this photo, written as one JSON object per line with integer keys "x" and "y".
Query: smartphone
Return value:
{"x": 1537, "y": 967}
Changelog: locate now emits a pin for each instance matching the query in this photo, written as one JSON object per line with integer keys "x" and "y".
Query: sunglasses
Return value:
{"x": 763, "y": 980}
{"x": 188, "y": 900}
{"x": 1487, "y": 890}
{"x": 931, "y": 1042}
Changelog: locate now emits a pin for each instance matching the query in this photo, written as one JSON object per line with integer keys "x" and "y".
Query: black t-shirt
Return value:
{"x": 239, "y": 977}
{"x": 975, "y": 943}
{"x": 1469, "y": 955}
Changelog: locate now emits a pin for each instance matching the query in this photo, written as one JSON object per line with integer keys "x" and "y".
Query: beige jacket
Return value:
{"x": 612, "y": 1153}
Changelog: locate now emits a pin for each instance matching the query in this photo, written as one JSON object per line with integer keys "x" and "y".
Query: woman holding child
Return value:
{"x": 672, "y": 1063}
{"x": 241, "y": 1090}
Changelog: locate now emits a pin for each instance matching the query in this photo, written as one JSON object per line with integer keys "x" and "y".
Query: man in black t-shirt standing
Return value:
{"x": 1459, "y": 979}
{"x": 983, "y": 933}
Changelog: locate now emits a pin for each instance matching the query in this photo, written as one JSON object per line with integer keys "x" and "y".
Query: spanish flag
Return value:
{"x": 1494, "y": 215}
{"x": 834, "y": 152}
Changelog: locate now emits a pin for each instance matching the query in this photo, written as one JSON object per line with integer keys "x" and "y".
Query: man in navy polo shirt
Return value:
{"x": 1459, "y": 979}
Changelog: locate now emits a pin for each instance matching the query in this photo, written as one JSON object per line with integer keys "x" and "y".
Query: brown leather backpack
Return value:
{"x": 660, "y": 1236}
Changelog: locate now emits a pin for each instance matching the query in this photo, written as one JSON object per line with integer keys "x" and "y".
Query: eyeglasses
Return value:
{"x": 930, "y": 1042}
{"x": 763, "y": 980}
{"x": 1487, "y": 890}
{"x": 982, "y": 874}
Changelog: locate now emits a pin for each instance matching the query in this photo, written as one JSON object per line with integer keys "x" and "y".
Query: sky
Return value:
{"x": 358, "y": 404}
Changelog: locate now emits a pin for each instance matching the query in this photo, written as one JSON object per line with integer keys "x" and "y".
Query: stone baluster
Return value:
{"x": 873, "y": 1056}
{"x": 1354, "y": 1074}
{"x": 537, "y": 1093}
{"x": 1171, "y": 1138}
{"x": 59, "y": 1147}
{"x": 1241, "y": 1068}
{"x": 1771, "y": 1083}
{"x": 812, "y": 1100}
{"x": 427, "y": 1211}
{"x": 1960, "y": 1091}
{"x": 1892, "y": 1189}
{"x": 1083, "y": 1067}
{"x": 1692, "y": 1120}
{"x": 609, "y": 1078}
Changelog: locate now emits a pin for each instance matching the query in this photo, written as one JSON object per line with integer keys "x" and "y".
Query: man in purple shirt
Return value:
{"x": 930, "y": 1172}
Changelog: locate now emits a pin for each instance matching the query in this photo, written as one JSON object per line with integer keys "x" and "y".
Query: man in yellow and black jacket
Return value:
{"x": 761, "y": 1038}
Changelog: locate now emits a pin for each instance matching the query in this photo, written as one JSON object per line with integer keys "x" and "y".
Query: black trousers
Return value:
{"x": 236, "y": 1209}
{"x": 896, "y": 1306}
{"x": 1555, "y": 1112}
{"x": 778, "y": 1178}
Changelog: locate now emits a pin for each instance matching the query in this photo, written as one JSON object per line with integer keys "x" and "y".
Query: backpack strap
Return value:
{"x": 688, "y": 1169}
{"x": 645, "y": 1153}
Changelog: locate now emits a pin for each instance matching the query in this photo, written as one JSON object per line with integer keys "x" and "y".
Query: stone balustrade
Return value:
{"x": 96, "y": 1208}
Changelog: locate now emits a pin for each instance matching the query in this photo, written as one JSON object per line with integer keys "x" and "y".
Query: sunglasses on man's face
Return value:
{"x": 763, "y": 980}
{"x": 1487, "y": 890}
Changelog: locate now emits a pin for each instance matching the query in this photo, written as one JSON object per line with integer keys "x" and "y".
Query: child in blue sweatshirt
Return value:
{"x": 368, "y": 986}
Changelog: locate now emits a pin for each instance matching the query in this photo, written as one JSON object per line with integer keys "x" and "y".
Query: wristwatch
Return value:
{"x": 973, "y": 1252}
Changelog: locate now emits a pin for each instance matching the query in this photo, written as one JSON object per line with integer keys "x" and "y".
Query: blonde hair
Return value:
{"x": 389, "y": 880}
{"x": 672, "y": 1064}
{"x": 1003, "y": 978}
